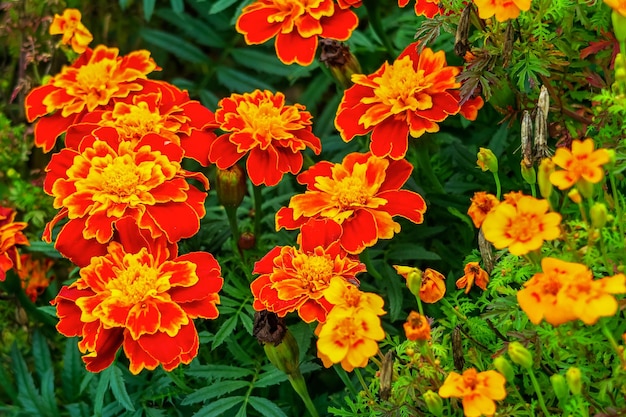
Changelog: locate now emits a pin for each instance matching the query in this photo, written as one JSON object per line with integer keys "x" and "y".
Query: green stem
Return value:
{"x": 231, "y": 213}
{"x": 359, "y": 376}
{"x": 533, "y": 190}
{"x": 258, "y": 210}
{"x": 537, "y": 388}
{"x": 616, "y": 199}
{"x": 367, "y": 260}
{"x": 496, "y": 178}
{"x": 299, "y": 386}
{"x": 612, "y": 342}
{"x": 456, "y": 312}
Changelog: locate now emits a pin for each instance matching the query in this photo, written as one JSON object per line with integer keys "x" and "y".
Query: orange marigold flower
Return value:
{"x": 105, "y": 181}
{"x": 34, "y": 275}
{"x": 297, "y": 24}
{"x": 417, "y": 327}
{"x": 429, "y": 286}
{"x": 502, "y": 9}
{"x": 346, "y": 4}
{"x": 92, "y": 81}
{"x": 272, "y": 134}
{"x": 482, "y": 204}
{"x": 428, "y": 8}
{"x": 295, "y": 279}
{"x": 409, "y": 96}
{"x": 362, "y": 194}
{"x": 478, "y": 390}
{"x": 10, "y": 235}
{"x": 618, "y": 5}
{"x": 579, "y": 164}
{"x": 159, "y": 108}
{"x": 344, "y": 295}
{"x": 566, "y": 291}
{"x": 474, "y": 274}
{"x": 141, "y": 299}
{"x": 73, "y": 31}
{"x": 521, "y": 228}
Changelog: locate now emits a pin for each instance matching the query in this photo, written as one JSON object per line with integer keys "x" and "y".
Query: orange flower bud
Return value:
{"x": 231, "y": 186}
{"x": 575, "y": 196}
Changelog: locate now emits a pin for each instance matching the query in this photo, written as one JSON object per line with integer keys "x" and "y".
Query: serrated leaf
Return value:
{"x": 41, "y": 353}
{"x": 148, "y": 9}
{"x": 218, "y": 407}
{"x": 226, "y": 329}
{"x": 247, "y": 322}
{"x": 49, "y": 310}
{"x": 118, "y": 387}
{"x": 174, "y": 45}
{"x": 47, "y": 392}
{"x": 27, "y": 394}
{"x": 220, "y": 5}
{"x": 103, "y": 386}
{"x": 213, "y": 391}
{"x": 266, "y": 407}
{"x": 271, "y": 377}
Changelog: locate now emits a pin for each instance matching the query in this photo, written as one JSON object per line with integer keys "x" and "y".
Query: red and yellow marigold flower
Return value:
{"x": 580, "y": 164}
{"x": 34, "y": 275}
{"x": 502, "y": 9}
{"x": 296, "y": 24}
{"x": 92, "y": 81}
{"x": 474, "y": 274}
{"x": 105, "y": 181}
{"x": 295, "y": 279}
{"x": 482, "y": 204}
{"x": 428, "y": 8}
{"x": 429, "y": 285}
{"x": 74, "y": 32}
{"x": 416, "y": 327}
{"x": 272, "y": 134}
{"x": 362, "y": 194}
{"x": 352, "y": 329}
{"x": 566, "y": 291}
{"x": 346, "y": 4}
{"x": 478, "y": 391}
{"x": 159, "y": 108}
{"x": 408, "y": 97}
{"x": 522, "y": 227}
{"x": 143, "y": 300}
{"x": 10, "y": 235}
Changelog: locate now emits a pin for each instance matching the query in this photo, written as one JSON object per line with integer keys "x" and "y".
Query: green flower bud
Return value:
{"x": 619, "y": 26}
{"x": 585, "y": 188}
{"x": 520, "y": 355}
{"x": 231, "y": 186}
{"x": 434, "y": 403}
{"x": 341, "y": 62}
{"x": 599, "y": 214}
{"x": 504, "y": 367}
{"x": 414, "y": 281}
{"x": 574, "y": 380}
{"x": 559, "y": 385}
{"x": 528, "y": 173}
{"x": 487, "y": 161}
{"x": 284, "y": 356}
{"x": 546, "y": 167}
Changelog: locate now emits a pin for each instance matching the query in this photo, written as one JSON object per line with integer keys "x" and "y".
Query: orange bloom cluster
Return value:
{"x": 474, "y": 274}
{"x": 362, "y": 194}
{"x": 416, "y": 327}
{"x": 582, "y": 164}
{"x": 34, "y": 275}
{"x": 409, "y": 97}
{"x": 296, "y": 24}
{"x": 272, "y": 134}
{"x": 482, "y": 204}
{"x": 10, "y": 235}
{"x": 73, "y": 31}
{"x": 143, "y": 299}
{"x": 521, "y": 223}
{"x": 428, "y": 8}
{"x": 478, "y": 390}
{"x": 566, "y": 291}
{"x": 502, "y": 9}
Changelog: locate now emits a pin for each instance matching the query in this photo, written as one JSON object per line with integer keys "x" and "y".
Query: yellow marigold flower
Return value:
{"x": 591, "y": 299}
{"x": 432, "y": 285}
{"x": 478, "y": 390}
{"x": 482, "y": 204}
{"x": 417, "y": 327}
{"x": 347, "y": 296}
{"x": 474, "y": 274}
{"x": 10, "y": 235}
{"x": 521, "y": 228}
{"x": 581, "y": 163}
{"x": 618, "y": 5}
{"x": 73, "y": 31}
{"x": 502, "y": 9}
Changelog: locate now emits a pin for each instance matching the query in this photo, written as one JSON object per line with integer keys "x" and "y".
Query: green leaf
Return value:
{"x": 178, "y": 6}
{"x": 266, "y": 407}
{"x": 41, "y": 353}
{"x": 394, "y": 292}
{"x": 103, "y": 386}
{"x": 45, "y": 248}
{"x": 174, "y": 45}
{"x": 226, "y": 329}
{"x": 28, "y": 395}
{"x": 247, "y": 322}
{"x": 148, "y": 9}
{"x": 213, "y": 391}
{"x": 220, "y": 5}
{"x": 118, "y": 387}
{"x": 240, "y": 82}
{"x": 271, "y": 377}
{"x": 412, "y": 252}
{"x": 218, "y": 407}
{"x": 201, "y": 32}
{"x": 262, "y": 61}
{"x": 47, "y": 392}
{"x": 213, "y": 372}
{"x": 72, "y": 370}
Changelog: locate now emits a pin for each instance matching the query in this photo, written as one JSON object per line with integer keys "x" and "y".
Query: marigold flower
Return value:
{"x": 346, "y": 4}
{"x": 296, "y": 25}
{"x": 10, "y": 235}
{"x": 478, "y": 390}
{"x": 521, "y": 228}
{"x": 34, "y": 275}
{"x": 432, "y": 286}
{"x": 482, "y": 204}
{"x": 159, "y": 108}
{"x": 580, "y": 164}
{"x": 416, "y": 327}
{"x": 295, "y": 279}
{"x": 474, "y": 274}
{"x": 428, "y": 8}
{"x": 618, "y": 6}
{"x": 271, "y": 133}
{"x": 502, "y": 9}
{"x": 344, "y": 295}
{"x": 362, "y": 194}
{"x": 141, "y": 299}
{"x": 105, "y": 181}
{"x": 409, "y": 96}
{"x": 92, "y": 81}
{"x": 73, "y": 31}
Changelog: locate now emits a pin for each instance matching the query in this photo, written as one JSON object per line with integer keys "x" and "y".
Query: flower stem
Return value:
{"x": 231, "y": 213}
{"x": 299, "y": 386}
{"x": 258, "y": 210}
{"x": 456, "y": 312}
{"x": 537, "y": 388}
{"x": 496, "y": 178}
{"x": 616, "y": 199}
{"x": 613, "y": 343}
{"x": 357, "y": 371}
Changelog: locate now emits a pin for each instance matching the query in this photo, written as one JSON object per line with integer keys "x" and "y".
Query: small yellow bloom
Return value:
{"x": 478, "y": 390}
{"x": 580, "y": 164}
{"x": 73, "y": 31}
{"x": 502, "y": 9}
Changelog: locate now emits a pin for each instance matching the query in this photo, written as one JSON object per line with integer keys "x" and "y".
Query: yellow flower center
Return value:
{"x": 120, "y": 179}
{"x": 346, "y": 329}
{"x": 134, "y": 282}
{"x": 264, "y": 121}
{"x": 316, "y": 271}
{"x": 93, "y": 80}
{"x": 524, "y": 227}
{"x": 135, "y": 121}
{"x": 401, "y": 88}
{"x": 351, "y": 192}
